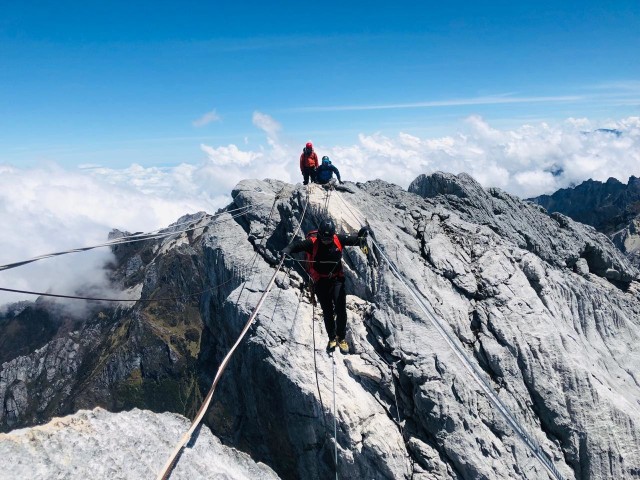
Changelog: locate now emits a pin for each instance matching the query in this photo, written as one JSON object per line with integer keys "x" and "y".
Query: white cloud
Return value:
{"x": 206, "y": 119}
{"x": 267, "y": 124}
{"x": 527, "y": 161}
{"x": 49, "y": 209}
{"x": 230, "y": 155}
{"x": 456, "y": 102}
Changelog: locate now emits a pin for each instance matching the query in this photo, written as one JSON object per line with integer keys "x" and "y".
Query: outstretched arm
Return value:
{"x": 299, "y": 246}
{"x": 337, "y": 172}
{"x": 354, "y": 239}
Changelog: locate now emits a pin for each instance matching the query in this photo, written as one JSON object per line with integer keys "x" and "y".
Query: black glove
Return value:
{"x": 286, "y": 250}
{"x": 363, "y": 232}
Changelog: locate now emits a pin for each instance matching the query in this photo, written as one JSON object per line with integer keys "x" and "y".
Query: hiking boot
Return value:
{"x": 344, "y": 346}
{"x": 331, "y": 346}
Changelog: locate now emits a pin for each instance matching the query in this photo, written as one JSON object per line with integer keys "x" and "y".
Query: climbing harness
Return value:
{"x": 309, "y": 257}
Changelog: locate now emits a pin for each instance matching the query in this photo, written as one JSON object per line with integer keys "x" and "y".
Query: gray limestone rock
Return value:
{"x": 555, "y": 238}
{"x": 129, "y": 445}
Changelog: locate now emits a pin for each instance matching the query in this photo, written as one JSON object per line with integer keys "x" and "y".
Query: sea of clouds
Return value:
{"x": 49, "y": 208}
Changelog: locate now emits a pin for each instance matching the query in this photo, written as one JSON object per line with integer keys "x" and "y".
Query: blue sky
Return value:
{"x": 113, "y": 83}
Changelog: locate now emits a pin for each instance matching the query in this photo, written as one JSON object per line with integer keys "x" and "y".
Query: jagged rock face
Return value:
{"x": 130, "y": 445}
{"x": 612, "y": 208}
{"x": 546, "y": 307}
{"x": 628, "y": 241}
{"x": 547, "y": 332}
{"x": 138, "y": 354}
{"x": 554, "y": 238}
{"x": 608, "y": 206}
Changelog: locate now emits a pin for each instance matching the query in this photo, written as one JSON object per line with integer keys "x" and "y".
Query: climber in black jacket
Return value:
{"x": 324, "y": 257}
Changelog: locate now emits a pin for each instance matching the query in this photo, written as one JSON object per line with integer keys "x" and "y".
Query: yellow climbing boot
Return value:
{"x": 331, "y": 346}
{"x": 344, "y": 346}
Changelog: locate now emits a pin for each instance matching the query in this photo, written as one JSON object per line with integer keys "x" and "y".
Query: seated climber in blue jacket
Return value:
{"x": 325, "y": 171}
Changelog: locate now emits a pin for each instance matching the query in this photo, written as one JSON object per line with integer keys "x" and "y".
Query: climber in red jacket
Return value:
{"x": 324, "y": 257}
{"x": 308, "y": 163}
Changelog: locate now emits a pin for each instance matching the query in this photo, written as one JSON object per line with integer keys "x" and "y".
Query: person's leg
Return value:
{"x": 323, "y": 289}
{"x": 312, "y": 174}
{"x": 339, "y": 297}
{"x": 305, "y": 176}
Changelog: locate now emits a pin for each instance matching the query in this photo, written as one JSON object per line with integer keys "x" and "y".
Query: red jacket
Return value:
{"x": 308, "y": 161}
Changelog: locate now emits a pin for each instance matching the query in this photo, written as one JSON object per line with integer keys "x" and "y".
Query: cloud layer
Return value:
{"x": 48, "y": 208}
{"x": 527, "y": 161}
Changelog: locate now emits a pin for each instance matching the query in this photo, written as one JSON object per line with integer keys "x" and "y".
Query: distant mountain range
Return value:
{"x": 611, "y": 207}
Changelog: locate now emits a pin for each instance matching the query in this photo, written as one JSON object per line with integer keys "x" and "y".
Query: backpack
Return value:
{"x": 309, "y": 257}
{"x": 307, "y": 156}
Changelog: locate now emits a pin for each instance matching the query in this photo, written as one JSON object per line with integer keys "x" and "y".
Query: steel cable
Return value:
{"x": 476, "y": 375}
{"x": 130, "y": 239}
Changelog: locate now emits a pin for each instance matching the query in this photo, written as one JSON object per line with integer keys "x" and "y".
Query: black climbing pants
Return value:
{"x": 309, "y": 173}
{"x": 333, "y": 300}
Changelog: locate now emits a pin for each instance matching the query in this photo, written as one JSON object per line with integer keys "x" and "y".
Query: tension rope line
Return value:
{"x": 533, "y": 446}
{"x": 255, "y": 255}
{"x": 391, "y": 366}
{"x": 315, "y": 364}
{"x": 132, "y": 239}
{"x": 335, "y": 421}
{"x": 459, "y": 352}
{"x": 124, "y": 300}
{"x": 476, "y": 375}
{"x": 167, "y": 469}
{"x": 147, "y": 300}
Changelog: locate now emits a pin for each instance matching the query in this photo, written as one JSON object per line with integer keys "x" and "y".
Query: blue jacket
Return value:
{"x": 325, "y": 171}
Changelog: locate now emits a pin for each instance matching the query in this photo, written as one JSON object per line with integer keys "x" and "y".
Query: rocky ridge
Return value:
{"x": 130, "y": 445}
{"x": 611, "y": 207}
{"x": 546, "y": 307}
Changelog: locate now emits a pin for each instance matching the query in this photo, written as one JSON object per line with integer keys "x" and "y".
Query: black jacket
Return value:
{"x": 328, "y": 260}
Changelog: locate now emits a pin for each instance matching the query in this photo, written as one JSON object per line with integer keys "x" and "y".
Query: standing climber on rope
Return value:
{"x": 308, "y": 163}
{"x": 324, "y": 173}
{"x": 324, "y": 254}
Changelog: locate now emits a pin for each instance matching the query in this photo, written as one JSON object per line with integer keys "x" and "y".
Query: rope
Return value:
{"x": 255, "y": 255}
{"x": 350, "y": 211}
{"x": 335, "y": 421}
{"x": 99, "y": 299}
{"x": 166, "y": 471}
{"x": 315, "y": 363}
{"x": 486, "y": 388}
{"x": 171, "y": 462}
{"x": 130, "y": 239}
{"x": 459, "y": 352}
